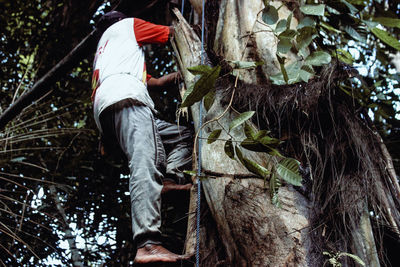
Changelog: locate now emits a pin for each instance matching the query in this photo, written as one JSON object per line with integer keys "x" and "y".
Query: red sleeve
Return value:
{"x": 148, "y": 76}
{"x": 149, "y": 33}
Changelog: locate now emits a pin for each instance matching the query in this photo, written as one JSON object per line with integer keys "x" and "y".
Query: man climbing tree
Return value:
{"x": 289, "y": 63}
{"x": 124, "y": 114}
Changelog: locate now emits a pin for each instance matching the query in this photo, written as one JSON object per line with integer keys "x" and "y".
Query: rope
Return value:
{"x": 199, "y": 144}
{"x": 183, "y": 7}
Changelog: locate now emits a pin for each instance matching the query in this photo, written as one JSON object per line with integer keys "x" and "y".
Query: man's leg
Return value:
{"x": 136, "y": 133}
{"x": 178, "y": 143}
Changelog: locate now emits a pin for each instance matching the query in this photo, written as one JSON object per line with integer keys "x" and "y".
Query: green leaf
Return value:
{"x": 306, "y": 72}
{"x": 209, "y": 99}
{"x": 354, "y": 34}
{"x": 388, "y": 22}
{"x": 270, "y": 15}
{"x": 329, "y": 27}
{"x": 256, "y": 168}
{"x": 354, "y": 257}
{"x": 326, "y": 253}
{"x": 357, "y": 2}
{"x": 289, "y": 33}
{"x": 239, "y": 154}
{"x": 314, "y": 10}
{"x": 305, "y": 37}
{"x": 284, "y": 74}
{"x": 274, "y": 185}
{"x": 252, "y": 166}
{"x": 386, "y": 38}
{"x": 203, "y": 177}
{"x": 284, "y": 45}
{"x": 253, "y": 145}
{"x": 81, "y": 124}
{"x": 228, "y": 148}
{"x": 214, "y": 135}
{"x": 202, "y": 87}
{"x": 261, "y": 134}
{"x": 285, "y": 41}
{"x": 280, "y": 26}
{"x": 343, "y": 56}
{"x": 246, "y": 64}
{"x": 268, "y": 140}
{"x": 289, "y": 20}
{"x": 249, "y": 131}
{"x": 264, "y": 144}
{"x": 378, "y": 83}
{"x": 292, "y": 72}
{"x": 275, "y": 200}
{"x": 200, "y": 69}
{"x": 303, "y": 52}
{"x": 191, "y": 173}
{"x": 351, "y": 8}
{"x": 318, "y": 58}
{"x": 370, "y": 23}
{"x": 381, "y": 96}
{"x": 283, "y": 69}
{"x": 348, "y": 92}
{"x": 288, "y": 170}
{"x": 332, "y": 10}
{"x": 272, "y": 151}
{"x": 306, "y": 22}
{"x": 241, "y": 119}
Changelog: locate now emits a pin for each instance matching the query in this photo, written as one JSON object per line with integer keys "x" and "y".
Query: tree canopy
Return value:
{"x": 54, "y": 185}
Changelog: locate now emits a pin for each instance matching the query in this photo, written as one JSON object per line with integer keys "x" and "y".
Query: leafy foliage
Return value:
{"x": 362, "y": 34}
{"x": 203, "y": 86}
{"x": 259, "y": 141}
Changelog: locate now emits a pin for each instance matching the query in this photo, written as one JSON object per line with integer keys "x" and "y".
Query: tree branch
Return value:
{"x": 42, "y": 86}
{"x": 69, "y": 236}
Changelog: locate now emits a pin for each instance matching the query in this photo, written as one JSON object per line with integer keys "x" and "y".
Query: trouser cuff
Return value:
{"x": 154, "y": 239}
{"x": 149, "y": 241}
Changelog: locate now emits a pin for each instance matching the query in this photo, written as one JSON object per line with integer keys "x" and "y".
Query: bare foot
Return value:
{"x": 172, "y": 186}
{"x": 156, "y": 253}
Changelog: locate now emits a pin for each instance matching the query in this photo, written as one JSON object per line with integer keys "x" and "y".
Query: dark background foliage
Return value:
{"x": 54, "y": 141}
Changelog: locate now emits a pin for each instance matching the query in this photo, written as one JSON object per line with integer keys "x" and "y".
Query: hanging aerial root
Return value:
{"x": 349, "y": 167}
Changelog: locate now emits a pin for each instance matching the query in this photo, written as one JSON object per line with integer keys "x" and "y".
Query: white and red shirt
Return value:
{"x": 119, "y": 65}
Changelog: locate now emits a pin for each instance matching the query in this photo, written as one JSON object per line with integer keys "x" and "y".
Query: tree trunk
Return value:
{"x": 253, "y": 231}
{"x": 250, "y": 229}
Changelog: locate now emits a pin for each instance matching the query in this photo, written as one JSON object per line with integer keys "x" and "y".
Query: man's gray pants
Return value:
{"x": 146, "y": 141}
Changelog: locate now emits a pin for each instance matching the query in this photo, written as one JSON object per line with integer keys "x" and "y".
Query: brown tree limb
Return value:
{"x": 43, "y": 85}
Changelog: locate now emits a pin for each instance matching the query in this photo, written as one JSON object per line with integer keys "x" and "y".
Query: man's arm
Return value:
{"x": 166, "y": 80}
{"x": 150, "y": 33}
